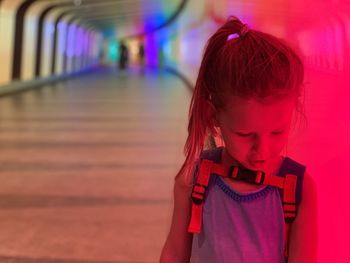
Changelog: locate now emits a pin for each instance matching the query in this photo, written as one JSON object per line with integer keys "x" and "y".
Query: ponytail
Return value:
{"x": 200, "y": 125}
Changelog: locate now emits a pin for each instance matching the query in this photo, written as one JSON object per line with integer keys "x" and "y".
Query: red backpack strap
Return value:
{"x": 289, "y": 207}
{"x": 289, "y": 181}
{"x": 198, "y": 195}
{"x": 293, "y": 173}
{"x": 239, "y": 173}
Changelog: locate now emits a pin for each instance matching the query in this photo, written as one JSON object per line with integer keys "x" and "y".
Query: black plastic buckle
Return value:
{"x": 247, "y": 175}
{"x": 195, "y": 199}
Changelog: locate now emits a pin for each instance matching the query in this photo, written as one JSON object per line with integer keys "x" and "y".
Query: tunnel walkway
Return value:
{"x": 87, "y": 166}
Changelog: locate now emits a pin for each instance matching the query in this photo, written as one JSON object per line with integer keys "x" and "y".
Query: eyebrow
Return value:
{"x": 250, "y": 131}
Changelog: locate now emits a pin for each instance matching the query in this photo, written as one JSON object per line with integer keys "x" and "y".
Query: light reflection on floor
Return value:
{"x": 87, "y": 167}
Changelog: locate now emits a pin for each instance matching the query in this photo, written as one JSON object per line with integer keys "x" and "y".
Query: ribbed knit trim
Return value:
{"x": 241, "y": 197}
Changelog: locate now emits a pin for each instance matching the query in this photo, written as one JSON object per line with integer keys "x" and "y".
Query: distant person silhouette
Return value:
{"x": 141, "y": 54}
{"x": 123, "y": 56}
{"x": 141, "y": 57}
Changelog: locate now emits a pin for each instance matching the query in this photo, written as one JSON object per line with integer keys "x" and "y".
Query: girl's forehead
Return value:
{"x": 252, "y": 111}
{"x": 236, "y": 102}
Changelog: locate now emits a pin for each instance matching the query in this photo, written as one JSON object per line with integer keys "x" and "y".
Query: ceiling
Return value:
{"x": 119, "y": 17}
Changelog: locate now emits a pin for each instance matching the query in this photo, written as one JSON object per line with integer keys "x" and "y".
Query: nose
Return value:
{"x": 260, "y": 148}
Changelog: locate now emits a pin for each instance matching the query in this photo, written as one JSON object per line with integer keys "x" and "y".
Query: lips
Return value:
{"x": 257, "y": 161}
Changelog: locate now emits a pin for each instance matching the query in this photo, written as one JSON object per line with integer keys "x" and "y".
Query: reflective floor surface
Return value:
{"x": 87, "y": 166}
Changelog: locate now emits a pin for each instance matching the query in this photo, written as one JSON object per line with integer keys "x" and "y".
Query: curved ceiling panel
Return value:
{"x": 120, "y": 18}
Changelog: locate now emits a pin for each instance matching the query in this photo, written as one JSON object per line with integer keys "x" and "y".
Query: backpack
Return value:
{"x": 289, "y": 182}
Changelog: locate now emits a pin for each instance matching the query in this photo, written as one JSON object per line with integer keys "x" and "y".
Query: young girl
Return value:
{"x": 231, "y": 202}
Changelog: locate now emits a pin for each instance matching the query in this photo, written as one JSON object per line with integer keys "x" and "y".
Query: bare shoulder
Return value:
{"x": 304, "y": 231}
{"x": 177, "y": 247}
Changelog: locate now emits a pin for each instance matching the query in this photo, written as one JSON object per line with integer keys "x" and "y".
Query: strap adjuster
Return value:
{"x": 260, "y": 177}
{"x": 198, "y": 193}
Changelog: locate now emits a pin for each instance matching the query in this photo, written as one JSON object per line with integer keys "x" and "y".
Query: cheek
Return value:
{"x": 277, "y": 144}
{"x": 237, "y": 147}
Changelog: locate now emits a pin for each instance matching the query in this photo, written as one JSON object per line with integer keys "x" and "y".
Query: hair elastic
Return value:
{"x": 234, "y": 35}
{"x": 244, "y": 30}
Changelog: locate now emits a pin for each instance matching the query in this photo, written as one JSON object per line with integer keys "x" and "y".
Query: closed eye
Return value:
{"x": 277, "y": 132}
{"x": 244, "y": 134}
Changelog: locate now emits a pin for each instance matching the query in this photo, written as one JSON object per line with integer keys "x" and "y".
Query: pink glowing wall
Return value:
{"x": 320, "y": 30}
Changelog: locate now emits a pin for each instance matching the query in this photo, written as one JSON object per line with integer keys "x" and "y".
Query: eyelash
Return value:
{"x": 243, "y": 134}
{"x": 277, "y": 133}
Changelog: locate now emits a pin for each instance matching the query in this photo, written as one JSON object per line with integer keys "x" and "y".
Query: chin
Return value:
{"x": 254, "y": 166}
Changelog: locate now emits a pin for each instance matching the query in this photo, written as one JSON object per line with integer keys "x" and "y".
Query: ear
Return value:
{"x": 211, "y": 115}
{"x": 213, "y": 124}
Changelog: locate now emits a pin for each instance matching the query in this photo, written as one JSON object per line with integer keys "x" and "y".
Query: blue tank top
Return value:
{"x": 239, "y": 227}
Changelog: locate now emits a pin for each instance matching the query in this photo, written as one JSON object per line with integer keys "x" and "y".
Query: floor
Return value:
{"x": 87, "y": 167}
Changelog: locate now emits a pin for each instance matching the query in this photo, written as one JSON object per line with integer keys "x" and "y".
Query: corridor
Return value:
{"x": 87, "y": 167}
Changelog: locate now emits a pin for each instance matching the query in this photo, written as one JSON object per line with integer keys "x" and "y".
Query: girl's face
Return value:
{"x": 255, "y": 132}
